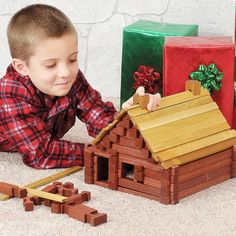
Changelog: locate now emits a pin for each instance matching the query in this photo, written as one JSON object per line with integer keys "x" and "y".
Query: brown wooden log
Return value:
{"x": 127, "y": 123}
{"x": 233, "y": 164}
{"x": 152, "y": 174}
{"x": 194, "y": 86}
{"x": 233, "y": 172}
{"x": 137, "y": 143}
{"x": 89, "y": 179}
{"x": 88, "y": 166}
{"x": 174, "y": 187}
{"x": 101, "y": 183}
{"x": 132, "y": 133}
{"x": 202, "y": 186}
{"x": 152, "y": 182}
{"x": 192, "y": 182}
{"x": 139, "y": 173}
{"x": 7, "y": 188}
{"x": 221, "y": 171}
{"x": 114, "y": 138}
{"x": 107, "y": 143}
{"x": 126, "y": 117}
{"x": 121, "y": 131}
{"x": 205, "y": 177}
{"x": 141, "y": 187}
{"x": 137, "y": 193}
{"x": 205, "y": 161}
{"x": 234, "y": 153}
{"x": 203, "y": 170}
{"x": 98, "y": 152}
{"x": 141, "y": 100}
{"x": 28, "y": 204}
{"x": 140, "y": 153}
{"x": 113, "y": 172}
{"x": 138, "y": 161}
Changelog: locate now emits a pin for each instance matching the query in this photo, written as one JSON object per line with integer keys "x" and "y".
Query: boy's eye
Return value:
{"x": 50, "y": 66}
{"x": 73, "y": 60}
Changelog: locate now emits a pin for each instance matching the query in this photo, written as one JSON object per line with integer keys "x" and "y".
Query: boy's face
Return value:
{"x": 53, "y": 67}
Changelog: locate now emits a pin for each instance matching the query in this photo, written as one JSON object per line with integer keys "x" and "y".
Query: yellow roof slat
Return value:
{"x": 185, "y": 130}
{"x": 170, "y": 101}
{"x": 199, "y": 153}
{"x": 182, "y": 114}
{"x": 172, "y": 109}
{"x": 198, "y": 148}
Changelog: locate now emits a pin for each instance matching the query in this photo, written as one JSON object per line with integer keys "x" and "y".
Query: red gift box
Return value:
{"x": 234, "y": 118}
{"x": 234, "y": 111}
{"x": 183, "y": 55}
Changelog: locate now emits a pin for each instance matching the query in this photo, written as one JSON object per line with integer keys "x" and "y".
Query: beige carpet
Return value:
{"x": 209, "y": 212}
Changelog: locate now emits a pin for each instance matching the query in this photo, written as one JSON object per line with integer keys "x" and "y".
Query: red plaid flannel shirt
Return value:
{"x": 31, "y": 123}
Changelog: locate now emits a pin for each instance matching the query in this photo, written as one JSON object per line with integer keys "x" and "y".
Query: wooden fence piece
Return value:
{"x": 47, "y": 180}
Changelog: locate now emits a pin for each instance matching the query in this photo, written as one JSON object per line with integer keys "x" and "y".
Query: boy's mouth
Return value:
{"x": 63, "y": 83}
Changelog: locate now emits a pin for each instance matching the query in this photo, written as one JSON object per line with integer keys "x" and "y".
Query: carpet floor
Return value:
{"x": 209, "y": 212}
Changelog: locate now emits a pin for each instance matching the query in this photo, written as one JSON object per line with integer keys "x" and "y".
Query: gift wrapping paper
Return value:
{"x": 184, "y": 55}
{"x": 143, "y": 45}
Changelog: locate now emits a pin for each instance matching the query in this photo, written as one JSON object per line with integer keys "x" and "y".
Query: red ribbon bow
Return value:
{"x": 147, "y": 77}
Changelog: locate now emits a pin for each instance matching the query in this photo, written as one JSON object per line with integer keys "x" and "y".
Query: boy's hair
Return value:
{"x": 32, "y": 24}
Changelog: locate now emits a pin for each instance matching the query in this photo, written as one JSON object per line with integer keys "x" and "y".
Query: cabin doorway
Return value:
{"x": 102, "y": 169}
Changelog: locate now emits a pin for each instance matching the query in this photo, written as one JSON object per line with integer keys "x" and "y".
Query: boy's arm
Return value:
{"x": 95, "y": 113}
{"x": 27, "y": 133}
{"x": 153, "y": 99}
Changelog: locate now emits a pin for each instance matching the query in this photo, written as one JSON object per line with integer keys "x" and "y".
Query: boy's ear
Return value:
{"x": 20, "y": 66}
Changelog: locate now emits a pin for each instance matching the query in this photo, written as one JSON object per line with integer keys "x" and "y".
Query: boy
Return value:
{"x": 43, "y": 91}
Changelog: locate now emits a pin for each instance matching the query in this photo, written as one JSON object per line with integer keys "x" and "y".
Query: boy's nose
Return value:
{"x": 63, "y": 72}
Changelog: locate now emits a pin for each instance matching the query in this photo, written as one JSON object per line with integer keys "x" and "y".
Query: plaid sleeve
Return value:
{"x": 28, "y": 135}
{"x": 95, "y": 113}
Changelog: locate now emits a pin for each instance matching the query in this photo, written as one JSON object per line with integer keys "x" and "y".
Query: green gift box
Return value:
{"x": 143, "y": 45}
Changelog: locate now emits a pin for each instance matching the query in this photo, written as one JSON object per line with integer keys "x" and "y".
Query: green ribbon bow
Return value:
{"x": 209, "y": 76}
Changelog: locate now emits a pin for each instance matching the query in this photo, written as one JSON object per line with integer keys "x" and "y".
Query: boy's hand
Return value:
{"x": 154, "y": 99}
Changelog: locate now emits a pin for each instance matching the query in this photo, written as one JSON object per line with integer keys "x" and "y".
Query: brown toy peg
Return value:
{"x": 141, "y": 100}
{"x": 28, "y": 204}
{"x": 193, "y": 86}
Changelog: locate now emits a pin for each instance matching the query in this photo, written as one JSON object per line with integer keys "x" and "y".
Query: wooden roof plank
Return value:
{"x": 170, "y": 101}
{"x": 197, "y": 154}
{"x": 202, "y": 147}
{"x": 158, "y": 121}
{"x": 185, "y": 130}
{"x": 172, "y": 109}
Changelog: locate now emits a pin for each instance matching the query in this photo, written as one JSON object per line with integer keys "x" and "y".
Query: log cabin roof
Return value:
{"x": 184, "y": 128}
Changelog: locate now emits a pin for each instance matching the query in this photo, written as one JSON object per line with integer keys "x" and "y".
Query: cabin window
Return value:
{"x": 102, "y": 168}
{"x": 127, "y": 171}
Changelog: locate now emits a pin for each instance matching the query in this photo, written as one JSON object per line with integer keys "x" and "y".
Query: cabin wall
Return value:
{"x": 124, "y": 138}
{"x": 149, "y": 179}
{"x": 203, "y": 173}
{"x": 152, "y": 181}
{"x": 233, "y": 166}
{"x": 127, "y": 173}
{"x": 122, "y": 161}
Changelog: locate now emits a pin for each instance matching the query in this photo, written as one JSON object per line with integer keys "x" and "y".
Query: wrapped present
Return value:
{"x": 143, "y": 46}
{"x": 234, "y": 111}
{"x": 208, "y": 59}
{"x": 234, "y": 118}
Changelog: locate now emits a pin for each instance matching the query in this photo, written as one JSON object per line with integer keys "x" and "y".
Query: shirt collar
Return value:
{"x": 53, "y": 105}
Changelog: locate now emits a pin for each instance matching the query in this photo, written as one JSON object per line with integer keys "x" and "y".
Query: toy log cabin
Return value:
{"x": 184, "y": 146}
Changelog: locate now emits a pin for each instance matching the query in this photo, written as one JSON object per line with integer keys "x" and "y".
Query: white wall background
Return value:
{"x": 100, "y": 23}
